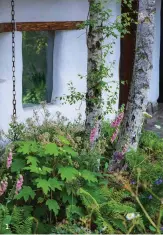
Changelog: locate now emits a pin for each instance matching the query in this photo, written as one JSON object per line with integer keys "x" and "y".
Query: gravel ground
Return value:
{"x": 155, "y": 124}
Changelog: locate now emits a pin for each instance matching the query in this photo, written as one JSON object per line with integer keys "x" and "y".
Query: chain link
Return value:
{"x": 13, "y": 60}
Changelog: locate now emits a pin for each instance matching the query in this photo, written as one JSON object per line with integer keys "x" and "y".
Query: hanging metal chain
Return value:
{"x": 13, "y": 66}
{"x": 13, "y": 58}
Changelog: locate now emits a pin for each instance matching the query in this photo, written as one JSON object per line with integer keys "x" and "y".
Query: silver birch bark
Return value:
{"x": 138, "y": 97}
{"x": 94, "y": 93}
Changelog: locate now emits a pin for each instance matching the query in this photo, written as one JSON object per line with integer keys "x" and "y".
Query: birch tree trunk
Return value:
{"x": 94, "y": 92}
{"x": 138, "y": 97}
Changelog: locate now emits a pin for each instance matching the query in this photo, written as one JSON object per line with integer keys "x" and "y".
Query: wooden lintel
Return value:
{"x": 40, "y": 26}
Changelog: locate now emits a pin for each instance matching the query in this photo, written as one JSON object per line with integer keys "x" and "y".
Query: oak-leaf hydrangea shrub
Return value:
{"x": 52, "y": 171}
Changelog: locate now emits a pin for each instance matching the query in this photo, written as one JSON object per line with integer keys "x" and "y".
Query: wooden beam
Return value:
{"x": 40, "y": 26}
{"x": 127, "y": 57}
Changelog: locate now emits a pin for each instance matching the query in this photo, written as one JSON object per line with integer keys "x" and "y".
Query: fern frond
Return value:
{"x": 116, "y": 207}
{"x": 88, "y": 201}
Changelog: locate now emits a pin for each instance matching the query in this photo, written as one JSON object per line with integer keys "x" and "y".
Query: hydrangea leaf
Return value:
{"x": 89, "y": 176}
{"x": 70, "y": 151}
{"x": 27, "y": 147}
{"x": 68, "y": 173}
{"x": 26, "y": 192}
{"x": 44, "y": 185}
{"x": 40, "y": 200}
{"x": 32, "y": 160}
{"x": 46, "y": 170}
{"x": 51, "y": 149}
{"x": 68, "y": 198}
{"x": 17, "y": 165}
{"x": 54, "y": 184}
{"x": 33, "y": 169}
{"x": 53, "y": 205}
{"x": 63, "y": 140}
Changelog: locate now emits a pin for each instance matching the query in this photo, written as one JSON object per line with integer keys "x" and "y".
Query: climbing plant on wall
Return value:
{"x": 102, "y": 30}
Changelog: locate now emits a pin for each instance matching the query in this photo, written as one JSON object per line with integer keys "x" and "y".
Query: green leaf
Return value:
{"x": 17, "y": 165}
{"x": 53, "y": 205}
{"x": 68, "y": 173}
{"x": 33, "y": 169}
{"x": 88, "y": 200}
{"x": 70, "y": 151}
{"x": 40, "y": 200}
{"x": 46, "y": 170}
{"x": 26, "y": 193}
{"x": 72, "y": 209}
{"x": 152, "y": 228}
{"x": 63, "y": 140}
{"x": 54, "y": 184}
{"x": 32, "y": 160}
{"x": 51, "y": 149}
{"x": 7, "y": 219}
{"x": 116, "y": 207}
{"x": 89, "y": 176}
{"x": 27, "y": 147}
{"x": 44, "y": 185}
{"x": 68, "y": 198}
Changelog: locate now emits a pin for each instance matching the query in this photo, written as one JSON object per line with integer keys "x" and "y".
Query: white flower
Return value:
{"x": 131, "y": 216}
{"x": 158, "y": 127}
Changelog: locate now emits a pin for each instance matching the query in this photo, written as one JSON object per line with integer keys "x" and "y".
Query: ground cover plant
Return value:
{"x": 53, "y": 182}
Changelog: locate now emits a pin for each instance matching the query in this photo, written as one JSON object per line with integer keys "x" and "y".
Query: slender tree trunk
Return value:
{"x": 94, "y": 93}
{"x": 138, "y": 98}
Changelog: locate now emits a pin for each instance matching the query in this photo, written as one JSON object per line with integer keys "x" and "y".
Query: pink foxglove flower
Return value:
{"x": 114, "y": 136}
{"x": 93, "y": 134}
{"x": 3, "y": 186}
{"x": 9, "y": 160}
{"x": 19, "y": 184}
{"x": 118, "y": 120}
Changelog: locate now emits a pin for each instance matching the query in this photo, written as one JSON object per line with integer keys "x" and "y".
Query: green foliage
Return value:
{"x": 44, "y": 185}
{"x": 70, "y": 228}
{"x": 53, "y": 172}
{"x": 20, "y": 224}
{"x": 89, "y": 176}
{"x": 35, "y": 94}
{"x": 68, "y": 173}
{"x": 101, "y": 21}
{"x": 53, "y": 205}
{"x": 15, "y": 221}
{"x": 26, "y": 193}
{"x": 67, "y": 185}
{"x": 51, "y": 149}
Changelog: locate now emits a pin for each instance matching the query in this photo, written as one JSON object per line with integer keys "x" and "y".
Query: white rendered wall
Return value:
{"x": 6, "y": 87}
{"x": 44, "y": 10}
{"x": 70, "y": 55}
{"x": 70, "y": 60}
{"x": 154, "y": 85}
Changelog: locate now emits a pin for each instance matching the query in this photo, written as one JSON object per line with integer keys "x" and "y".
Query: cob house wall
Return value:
{"x": 67, "y": 55}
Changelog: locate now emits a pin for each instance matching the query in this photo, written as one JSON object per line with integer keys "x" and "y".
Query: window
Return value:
{"x": 37, "y": 67}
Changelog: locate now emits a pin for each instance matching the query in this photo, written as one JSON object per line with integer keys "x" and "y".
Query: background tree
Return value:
{"x": 101, "y": 26}
{"x": 94, "y": 78}
{"x": 138, "y": 97}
